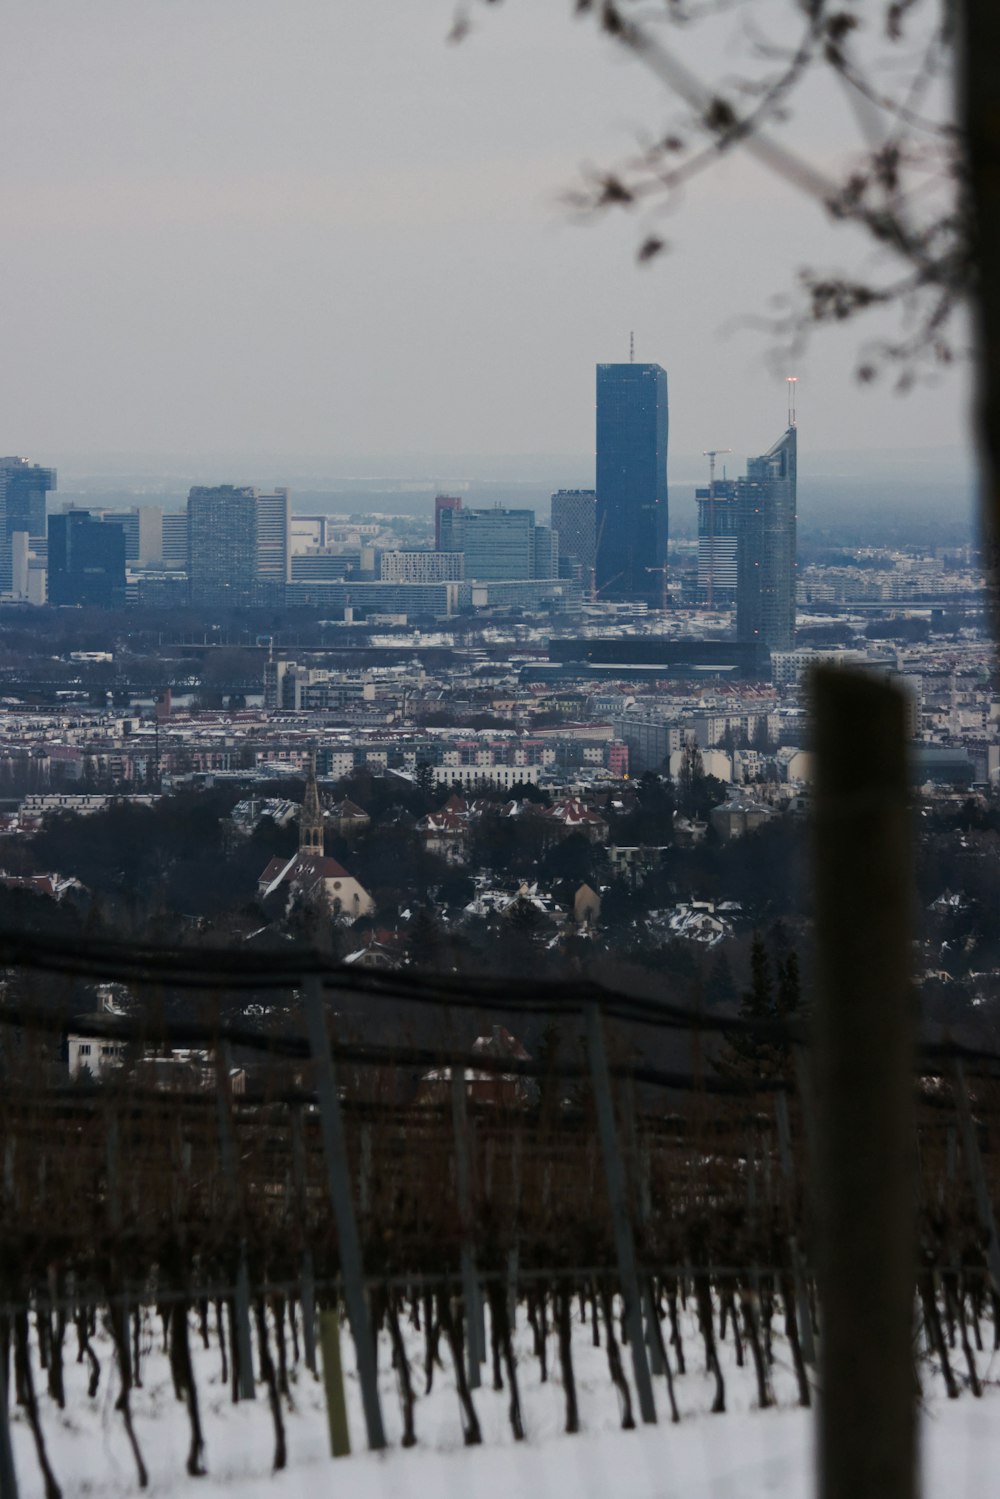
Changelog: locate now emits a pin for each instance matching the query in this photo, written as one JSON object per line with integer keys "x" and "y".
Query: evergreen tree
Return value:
{"x": 744, "y": 1054}
{"x": 425, "y": 941}
{"x": 425, "y": 783}
{"x": 721, "y": 990}
{"x": 789, "y": 997}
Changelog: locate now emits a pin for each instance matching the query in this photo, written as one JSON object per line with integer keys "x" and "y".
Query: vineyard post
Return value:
{"x": 615, "y": 1175}
{"x": 112, "y": 1161}
{"x": 8, "y": 1476}
{"x": 638, "y": 1160}
{"x": 976, "y": 1175}
{"x": 463, "y": 1182}
{"x": 788, "y": 1172}
{"x": 338, "y": 1172}
{"x": 308, "y": 1289}
{"x": 333, "y": 1383}
{"x": 864, "y": 1090}
{"x": 230, "y": 1170}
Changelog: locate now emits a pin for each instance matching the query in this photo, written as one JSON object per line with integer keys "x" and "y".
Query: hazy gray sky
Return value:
{"x": 313, "y": 226}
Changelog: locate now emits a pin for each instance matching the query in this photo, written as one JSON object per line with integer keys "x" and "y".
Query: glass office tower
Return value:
{"x": 86, "y": 560}
{"x": 718, "y": 529}
{"x": 765, "y": 581}
{"x": 23, "y": 488}
{"x": 632, "y": 424}
{"x": 574, "y": 519}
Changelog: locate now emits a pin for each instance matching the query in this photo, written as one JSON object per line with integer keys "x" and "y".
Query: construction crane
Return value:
{"x": 711, "y": 454}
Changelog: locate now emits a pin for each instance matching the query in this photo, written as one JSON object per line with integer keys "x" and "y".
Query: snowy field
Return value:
{"x": 744, "y": 1454}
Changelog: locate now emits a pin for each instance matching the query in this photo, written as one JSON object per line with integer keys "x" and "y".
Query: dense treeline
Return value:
{"x": 179, "y": 872}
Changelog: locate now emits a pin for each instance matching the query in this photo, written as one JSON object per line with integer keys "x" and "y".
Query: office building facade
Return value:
{"x": 496, "y": 544}
{"x": 86, "y": 561}
{"x": 442, "y": 503}
{"x": 631, "y": 516}
{"x": 766, "y": 520}
{"x": 23, "y": 488}
{"x": 175, "y": 539}
{"x": 718, "y": 527}
{"x": 574, "y": 519}
{"x": 222, "y": 546}
{"x": 274, "y": 545}
{"x": 421, "y": 567}
{"x": 143, "y": 528}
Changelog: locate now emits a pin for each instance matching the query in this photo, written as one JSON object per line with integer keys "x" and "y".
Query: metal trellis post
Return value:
{"x": 335, "y": 1151}
{"x": 463, "y": 1182}
{"x": 230, "y": 1169}
{"x": 977, "y": 1177}
{"x": 624, "y": 1241}
{"x": 8, "y": 1476}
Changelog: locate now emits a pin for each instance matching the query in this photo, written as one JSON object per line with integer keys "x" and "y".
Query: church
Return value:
{"x": 309, "y": 875}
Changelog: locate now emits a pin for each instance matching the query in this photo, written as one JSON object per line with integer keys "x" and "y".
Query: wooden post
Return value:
{"x": 333, "y": 1383}
{"x": 244, "y": 1340}
{"x": 864, "y": 1090}
{"x": 338, "y": 1172}
{"x": 475, "y": 1343}
{"x": 624, "y": 1242}
{"x": 308, "y": 1295}
{"x": 230, "y": 1170}
{"x": 788, "y": 1172}
{"x": 976, "y": 1175}
{"x": 8, "y": 1476}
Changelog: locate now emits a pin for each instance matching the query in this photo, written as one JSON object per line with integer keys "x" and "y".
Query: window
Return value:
{"x": 83, "y": 1049}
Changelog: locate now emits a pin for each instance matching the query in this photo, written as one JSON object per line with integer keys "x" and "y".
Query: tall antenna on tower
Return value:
{"x": 791, "y": 381}
{"x": 631, "y": 348}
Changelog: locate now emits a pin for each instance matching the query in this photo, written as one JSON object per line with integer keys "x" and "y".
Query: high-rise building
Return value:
{"x": 143, "y": 527}
{"x": 23, "y": 487}
{"x": 632, "y": 428}
{"x": 765, "y": 585}
{"x": 546, "y": 559}
{"x": 718, "y": 513}
{"x": 175, "y": 539}
{"x": 443, "y": 502}
{"x": 274, "y": 544}
{"x": 498, "y": 543}
{"x": 86, "y": 560}
{"x": 574, "y": 518}
{"x": 222, "y": 546}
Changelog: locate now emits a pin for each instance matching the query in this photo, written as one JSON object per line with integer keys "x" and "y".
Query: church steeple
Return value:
{"x": 311, "y": 817}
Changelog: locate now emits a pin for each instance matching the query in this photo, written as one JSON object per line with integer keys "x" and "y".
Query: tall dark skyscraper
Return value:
{"x": 632, "y": 421}
{"x": 765, "y": 582}
{"x": 86, "y": 560}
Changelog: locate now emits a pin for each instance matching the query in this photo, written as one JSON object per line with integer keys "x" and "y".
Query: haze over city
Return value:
{"x": 328, "y": 231}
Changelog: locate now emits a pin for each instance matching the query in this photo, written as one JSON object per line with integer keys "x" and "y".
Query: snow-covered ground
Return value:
{"x": 744, "y": 1454}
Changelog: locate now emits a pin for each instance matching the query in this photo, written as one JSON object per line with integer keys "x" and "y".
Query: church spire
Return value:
{"x": 311, "y": 817}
